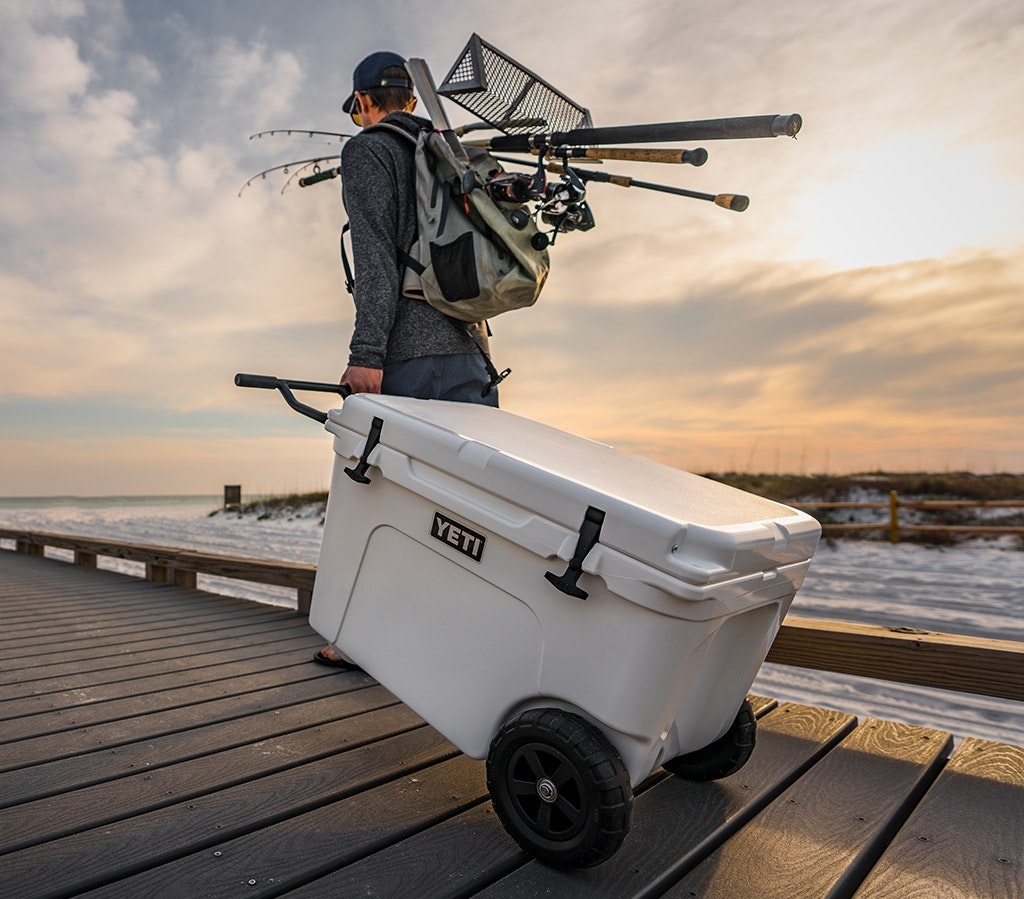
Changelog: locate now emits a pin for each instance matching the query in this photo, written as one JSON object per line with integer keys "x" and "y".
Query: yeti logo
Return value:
{"x": 458, "y": 536}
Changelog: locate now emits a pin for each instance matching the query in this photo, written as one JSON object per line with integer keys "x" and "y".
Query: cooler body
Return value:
{"x": 665, "y": 593}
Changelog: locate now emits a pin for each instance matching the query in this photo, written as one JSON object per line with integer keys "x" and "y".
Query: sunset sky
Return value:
{"x": 866, "y": 311}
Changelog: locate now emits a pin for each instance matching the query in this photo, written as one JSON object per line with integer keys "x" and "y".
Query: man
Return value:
{"x": 399, "y": 346}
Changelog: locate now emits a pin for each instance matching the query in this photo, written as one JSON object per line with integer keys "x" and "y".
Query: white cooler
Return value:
{"x": 577, "y": 615}
{"x": 480, "y": 564}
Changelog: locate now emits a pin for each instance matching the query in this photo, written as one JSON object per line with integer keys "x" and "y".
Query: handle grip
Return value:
{"x": 285, "y": 387}
{"x": 266, "y": 382}
{"x": 735, "y": 202}
{"x": 325, "y": 175}
{"x": 637, "y": 154}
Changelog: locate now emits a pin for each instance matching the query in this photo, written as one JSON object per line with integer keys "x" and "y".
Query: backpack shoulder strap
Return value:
{"x": 394, "y": 129}
{"x": 404, "y": 257}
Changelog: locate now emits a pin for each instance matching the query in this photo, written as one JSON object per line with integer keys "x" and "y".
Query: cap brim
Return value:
{"x": 347, "y": 105}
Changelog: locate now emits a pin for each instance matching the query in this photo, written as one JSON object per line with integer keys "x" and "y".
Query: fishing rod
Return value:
{"x": 742, "y": 127}
{"x": 629, "y": 154}
{"x": 552, "y": 131}
{"x": 502, "y": 92}
{"x": 285, "y": 166}
{"x": 502, "y": 126}
{"x": 735, "y": 202}
{"x": 303, "y": 131}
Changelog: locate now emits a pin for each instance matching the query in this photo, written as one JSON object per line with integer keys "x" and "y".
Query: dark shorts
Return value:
{"x": 461, "y": 378}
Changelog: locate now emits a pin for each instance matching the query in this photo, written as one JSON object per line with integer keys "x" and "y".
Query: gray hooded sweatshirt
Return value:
{"x": 379, "y": 192}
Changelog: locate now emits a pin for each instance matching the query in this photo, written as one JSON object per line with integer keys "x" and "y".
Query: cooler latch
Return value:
{"x": 358, "y": 474}
{"x": 590, "y": 531}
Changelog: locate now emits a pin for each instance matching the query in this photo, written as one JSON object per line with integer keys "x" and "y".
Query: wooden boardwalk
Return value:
{"x": 158, "y": 740}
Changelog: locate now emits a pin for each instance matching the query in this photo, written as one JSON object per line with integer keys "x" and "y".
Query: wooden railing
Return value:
{"x": 896, "y": 528}
{"x": 171, "y": 566}
{"x": 907, "y": 655}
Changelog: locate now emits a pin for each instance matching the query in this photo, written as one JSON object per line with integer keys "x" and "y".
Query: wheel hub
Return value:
{"x": 547, "y": 790}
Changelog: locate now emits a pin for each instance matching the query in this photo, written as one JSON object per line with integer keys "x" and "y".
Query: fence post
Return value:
{"x": 232, "y": 496}
{"x": 894, "y": 517}
{"x": 85, "y": 559}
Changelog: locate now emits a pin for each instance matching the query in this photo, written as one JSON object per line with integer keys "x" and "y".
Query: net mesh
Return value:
{"x": 507, "y": 96}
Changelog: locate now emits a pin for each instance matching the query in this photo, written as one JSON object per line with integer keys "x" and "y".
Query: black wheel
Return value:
{"x": 560, "y": 788}
{"x": 725, "y": 756}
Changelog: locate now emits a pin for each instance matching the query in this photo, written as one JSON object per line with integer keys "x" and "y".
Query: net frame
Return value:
{"x": 508, "y": 96}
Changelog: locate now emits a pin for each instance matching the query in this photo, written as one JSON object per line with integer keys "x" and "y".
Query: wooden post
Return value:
{"x": 304, "y": 601}
{"x": 232, "y": 496}
{"x": 182, "y": 577}
{"x": 168, "y": 574}
{"x": 85, "y": 559}
{"x": 894, "y": 517}
{"x": 157, "y": 573}
{"x": 29, "y": 548}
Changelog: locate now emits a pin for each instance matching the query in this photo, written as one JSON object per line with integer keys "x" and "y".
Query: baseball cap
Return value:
{"x": 370, "y": 74}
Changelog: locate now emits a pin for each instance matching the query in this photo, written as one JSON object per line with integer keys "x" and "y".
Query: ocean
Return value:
{"x": 975, "y": 589}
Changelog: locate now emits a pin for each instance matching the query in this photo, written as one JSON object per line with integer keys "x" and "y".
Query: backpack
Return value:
{"x": 473, "y": 257}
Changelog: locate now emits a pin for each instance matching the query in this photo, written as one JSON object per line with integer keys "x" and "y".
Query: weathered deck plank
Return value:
{"x": 62, "y": 776}
{"x": 826, "y": 831}
{"x": 966, "y": 838}
{"x": 676, "y": 823}
{"x": 159, "y": 740}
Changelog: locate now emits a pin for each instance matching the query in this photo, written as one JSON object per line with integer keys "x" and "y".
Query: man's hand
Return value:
{"x": 362, "y": 380}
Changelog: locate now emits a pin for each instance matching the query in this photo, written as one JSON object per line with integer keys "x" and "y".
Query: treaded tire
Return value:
{"x": 559, "y": 788}
{"x": 725, "y": 756}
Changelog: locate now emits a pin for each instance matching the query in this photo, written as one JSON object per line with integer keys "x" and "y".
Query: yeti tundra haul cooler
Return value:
{"x": 577, "y": 615}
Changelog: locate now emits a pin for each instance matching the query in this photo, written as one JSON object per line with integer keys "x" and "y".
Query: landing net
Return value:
{"x": 507, "y": 96}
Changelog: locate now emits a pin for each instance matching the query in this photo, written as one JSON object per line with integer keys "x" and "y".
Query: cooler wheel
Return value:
{"x": 725, "y": 756}
{"x": 559, "y": 788}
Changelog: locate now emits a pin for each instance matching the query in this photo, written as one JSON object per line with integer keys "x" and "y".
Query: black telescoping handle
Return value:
{"x": 267, "y": 382}
{"x": 286, "y": 385}
{"x": 707, "y": 129}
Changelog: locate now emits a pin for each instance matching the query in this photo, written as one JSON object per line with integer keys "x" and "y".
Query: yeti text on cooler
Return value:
{"x": 458, "y": 536}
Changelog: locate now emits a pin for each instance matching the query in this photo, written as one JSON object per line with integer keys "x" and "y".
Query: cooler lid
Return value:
{"x": 681, "y": 523}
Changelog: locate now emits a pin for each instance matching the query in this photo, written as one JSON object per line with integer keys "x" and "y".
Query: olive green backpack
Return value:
{"x": 473, "y": 258}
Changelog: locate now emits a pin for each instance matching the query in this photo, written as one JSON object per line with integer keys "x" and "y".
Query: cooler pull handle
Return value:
{"x": 358, "y": 474}
{"x": 590, "y": 531}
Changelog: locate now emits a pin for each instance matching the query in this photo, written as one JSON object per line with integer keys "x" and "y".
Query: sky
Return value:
{"x": 866, "y": 312}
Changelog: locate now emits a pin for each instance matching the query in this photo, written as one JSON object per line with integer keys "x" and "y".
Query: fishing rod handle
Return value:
{"x": 735, "y": 202}
{"x": 325, "y": 175}
{"x": 637, "y": 154}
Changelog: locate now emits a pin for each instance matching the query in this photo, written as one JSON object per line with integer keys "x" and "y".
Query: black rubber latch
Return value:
{"x": 590, "y": 531}
{"x": 358, "y": 474}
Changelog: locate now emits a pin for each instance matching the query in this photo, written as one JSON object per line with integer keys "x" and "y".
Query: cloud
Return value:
{"x": 128, "y": 266}
{"x": 819, "y": 321}
{"x": 873, "y": 355}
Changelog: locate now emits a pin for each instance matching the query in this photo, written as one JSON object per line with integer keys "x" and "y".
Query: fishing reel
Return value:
{"x": 561, "y": 204}
{"x": 565, "y": 205}
{"x": 511, "y": 187}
